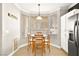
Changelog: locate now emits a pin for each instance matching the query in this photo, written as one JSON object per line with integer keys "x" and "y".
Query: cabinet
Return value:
{"x": 64, "y": 34}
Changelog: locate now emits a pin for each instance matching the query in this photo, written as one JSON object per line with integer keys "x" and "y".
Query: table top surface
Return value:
{"x": 34, "y": 35}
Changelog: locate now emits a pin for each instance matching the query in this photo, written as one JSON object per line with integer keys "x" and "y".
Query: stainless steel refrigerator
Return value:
{"x": 73, "y": 41}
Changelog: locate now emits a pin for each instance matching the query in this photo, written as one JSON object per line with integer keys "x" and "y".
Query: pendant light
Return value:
{"x": 39, "y": 17}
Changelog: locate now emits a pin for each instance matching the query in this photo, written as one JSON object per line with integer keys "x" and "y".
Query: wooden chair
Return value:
{"x": 38, "y": 34}
{"x": 40, "y": 44}
{"x": 35, "y": 42}
{"x": 31, "y": 45}
{"x": 47, "y": 42}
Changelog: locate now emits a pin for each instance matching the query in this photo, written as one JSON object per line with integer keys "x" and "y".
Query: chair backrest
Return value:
{"x": 48, "y": 37}
{"x": 38, "y": 34}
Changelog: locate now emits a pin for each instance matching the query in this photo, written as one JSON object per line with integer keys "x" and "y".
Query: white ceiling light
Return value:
{"x": 39, "y": 17}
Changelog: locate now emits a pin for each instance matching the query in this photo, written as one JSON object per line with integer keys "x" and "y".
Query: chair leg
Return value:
{"x": 42, "y": 52}
{"x": 33, "y": 53}
{"x": 33, "y": 50}
{"x": 27, "y": 47}
{"x": 48, "y": 47}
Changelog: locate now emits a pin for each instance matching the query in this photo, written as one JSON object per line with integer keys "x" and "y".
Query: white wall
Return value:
{"x": 54, "y": 24}
{"x": 0, "y": 28}
{"x": 24, "y": 29}
{"x": 63, "y": 11}
{"x": 11, "y": 27}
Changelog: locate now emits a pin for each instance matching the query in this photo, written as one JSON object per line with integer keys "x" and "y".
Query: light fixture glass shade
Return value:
{"x": 39, "y": 18}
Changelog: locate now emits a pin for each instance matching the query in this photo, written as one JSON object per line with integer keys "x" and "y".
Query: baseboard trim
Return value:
{"x": 55, "y": 45}
{"x": 23, "y": 45}
{"x": 64, "y": 51}
{"x": 26, "y": 45}
{"x": 17, "y": 49}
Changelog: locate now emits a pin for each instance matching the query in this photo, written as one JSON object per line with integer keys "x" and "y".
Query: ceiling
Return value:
{"x": 45, "y": 8}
